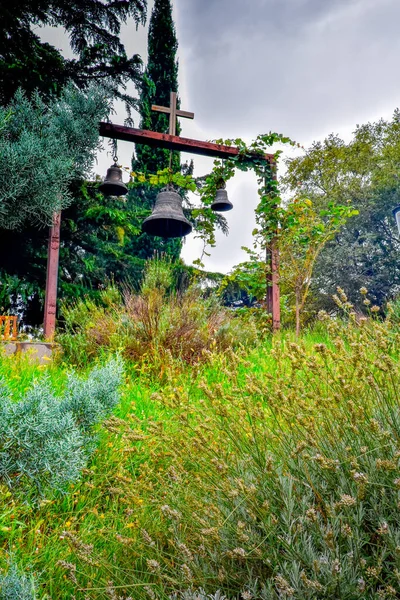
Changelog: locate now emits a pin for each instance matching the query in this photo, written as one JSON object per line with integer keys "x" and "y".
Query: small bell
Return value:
{"x": 167, "y": 219}
{"x": 221, "y": 202}
{"x": 113, "y": 184}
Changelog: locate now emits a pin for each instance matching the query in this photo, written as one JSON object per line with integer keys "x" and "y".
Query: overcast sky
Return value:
{"x": 304, "y": 68}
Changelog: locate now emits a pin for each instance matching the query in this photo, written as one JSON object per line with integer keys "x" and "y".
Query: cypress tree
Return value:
{"x": 159, "y": 79}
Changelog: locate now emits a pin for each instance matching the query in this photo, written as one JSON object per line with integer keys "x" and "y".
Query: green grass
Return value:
{"x": 222, "y": 475}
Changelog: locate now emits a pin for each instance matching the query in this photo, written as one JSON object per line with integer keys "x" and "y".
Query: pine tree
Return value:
{"x": 93, "y": 28}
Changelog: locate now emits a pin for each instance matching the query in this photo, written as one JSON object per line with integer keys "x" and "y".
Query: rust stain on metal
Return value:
{"x": 50, "y": 305}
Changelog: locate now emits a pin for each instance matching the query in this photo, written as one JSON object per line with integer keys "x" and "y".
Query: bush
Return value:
{"x": 154, "y": 325}
{"x": 280, "y": 478}
{"x": 44, "y": 440}
{"x": 14, "y": 586}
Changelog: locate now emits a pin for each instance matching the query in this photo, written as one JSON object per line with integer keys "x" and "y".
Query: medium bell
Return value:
{"x": 113, "y": 184}
{"x": 167, "y": 219}
{"x": 221, "y": 202}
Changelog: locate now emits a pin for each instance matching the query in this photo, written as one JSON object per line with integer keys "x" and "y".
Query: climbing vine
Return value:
{"x": 250, "y": 157}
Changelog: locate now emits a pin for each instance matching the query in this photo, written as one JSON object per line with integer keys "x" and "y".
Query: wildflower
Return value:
{"x": 367, "y": 302}
{"x": 323, "y": 315}
{"x": 83, "y": 549}
{"x": 239, "y": 552}
{"x": 219, "y": 465}
{"x": 336, "y": 568}
{"x": 170, "y": 512}
{"x": 147, "y": 538}
{"x": 320, "y": 348}
{"x": 361, "y": 584}
{"x": 187, "y": 572}
{"x": 347, "y": 531}
{"x": 221, "y": 575}
{"x": 360, "y": 477}
{"x": 185, "y": 551}
{"x": 71, "y": 568}
{"x": 337, "y": 301}
{"x": 153, "y": 565}
{"x": 110, "y": 591}
{"x": 385, "y": 465}
{"x": 309, "y": 583}
{"x": 383, "y": 529}
{"x": 375, "y": 308}
{"x": 150, "y": 592}
{"x": 283, "y": 586}
{"x": 312, "y": 515}
{"x": 390, "y": 591}
{"x": 373, "y": 572}
{"x": 123, "y": 540}
{"x": 211, "y": 532}
{"x": 346, "y": 500}
{"x": 363, "y": 291}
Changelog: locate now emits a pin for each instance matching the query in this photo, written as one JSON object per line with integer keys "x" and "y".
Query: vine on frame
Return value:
{"x": 249, "y": 157}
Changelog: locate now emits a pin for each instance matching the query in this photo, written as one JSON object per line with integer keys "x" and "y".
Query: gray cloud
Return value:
{"x": 293, "y": 65}
{"x": 300, "y": 67}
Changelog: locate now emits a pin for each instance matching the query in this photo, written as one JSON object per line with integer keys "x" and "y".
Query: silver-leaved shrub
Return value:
{"x": 16, "y": 586}
{"x": 45, "y": 441}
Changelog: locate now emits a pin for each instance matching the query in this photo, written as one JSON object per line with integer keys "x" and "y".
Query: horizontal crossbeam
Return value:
{"x": 172, "y": 142}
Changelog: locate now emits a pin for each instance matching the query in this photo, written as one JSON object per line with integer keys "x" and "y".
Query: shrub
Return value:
{"x": 15, "y": 586}
{"x": 154, "y": 325}
{"x": 279, "y": 479}
{"x": 45, "y": 440}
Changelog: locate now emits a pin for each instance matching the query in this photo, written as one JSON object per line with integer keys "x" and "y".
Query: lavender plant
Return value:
{"x": 45, "y": 441}
{"x": 281, "y": 480}
{"x": 16, "y": 586}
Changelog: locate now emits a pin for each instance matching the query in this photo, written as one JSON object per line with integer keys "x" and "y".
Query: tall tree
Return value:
{"x": 37, "y": 178}
{"x": 159, "y": 79}
{"x": 44, "y": 149}
{"x": 365, "y": 173}
{"x": 93, "y": 28}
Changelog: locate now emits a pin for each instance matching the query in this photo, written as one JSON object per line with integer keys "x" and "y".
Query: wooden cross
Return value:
{"x": 173, "y": 113}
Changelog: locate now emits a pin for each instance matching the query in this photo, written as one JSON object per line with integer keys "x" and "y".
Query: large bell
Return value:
{"x": 113, "y": 184}
{"x": 221, "y": 202}
{"x": 167, "y": 219}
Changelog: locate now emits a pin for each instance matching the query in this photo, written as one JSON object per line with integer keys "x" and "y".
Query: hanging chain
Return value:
{"x": 115, "y": 150}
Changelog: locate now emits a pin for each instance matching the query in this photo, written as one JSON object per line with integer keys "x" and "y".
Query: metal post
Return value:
{"x": 273, "y": 295}
{"x": 273, "y": 292}
{"x": 50, "y": 305}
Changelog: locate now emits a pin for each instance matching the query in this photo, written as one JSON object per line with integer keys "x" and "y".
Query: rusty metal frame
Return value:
{"x": 172, "y": 142}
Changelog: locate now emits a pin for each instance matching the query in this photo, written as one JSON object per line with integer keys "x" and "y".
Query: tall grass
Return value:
{"x": 154, "y": 325}
{"x": 263, "y": 473}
